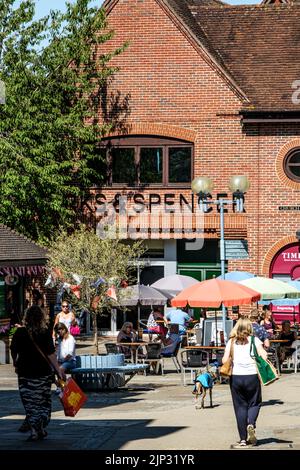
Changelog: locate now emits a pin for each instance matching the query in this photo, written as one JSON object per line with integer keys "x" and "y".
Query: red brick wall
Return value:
{"x": 169, "y": 83}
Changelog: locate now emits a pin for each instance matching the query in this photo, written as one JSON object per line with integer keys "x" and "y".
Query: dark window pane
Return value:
{"x": 180, "y": 159}
{"x": 151, "y": 165}
{"x": 123, "y": 166}
{"x": 98, "y": 168}
{"x": 294, "y": 158}
{"x": 295, "y": 170}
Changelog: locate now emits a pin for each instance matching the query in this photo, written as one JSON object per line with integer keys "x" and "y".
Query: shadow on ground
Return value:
{"x": 83, "y": 434}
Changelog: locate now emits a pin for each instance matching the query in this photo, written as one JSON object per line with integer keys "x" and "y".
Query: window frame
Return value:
{"x": 287, "y": 165}
{"x": 145, "y": 142}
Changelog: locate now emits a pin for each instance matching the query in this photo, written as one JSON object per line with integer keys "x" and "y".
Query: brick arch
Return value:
{"x": 292, "y": 144}
{"x": 163, "y": 130}
{"x": 274, "y": 250}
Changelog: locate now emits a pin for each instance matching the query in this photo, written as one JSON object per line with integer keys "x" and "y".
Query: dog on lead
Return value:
{"x": 204, "y": 382}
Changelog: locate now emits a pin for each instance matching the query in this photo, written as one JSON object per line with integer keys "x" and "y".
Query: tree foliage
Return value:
{"x": 50, "y": 123}
{"x": 83, "y": 253}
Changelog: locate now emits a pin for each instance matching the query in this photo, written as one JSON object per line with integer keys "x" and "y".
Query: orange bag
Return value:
{"x": 72, "y": 397}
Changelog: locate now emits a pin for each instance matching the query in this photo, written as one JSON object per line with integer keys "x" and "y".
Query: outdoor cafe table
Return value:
{"x": 134, "y": 347}
{"x": 209, "y": 349}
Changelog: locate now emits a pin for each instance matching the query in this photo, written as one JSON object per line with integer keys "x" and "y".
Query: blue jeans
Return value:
{"x": 68, "y": 365}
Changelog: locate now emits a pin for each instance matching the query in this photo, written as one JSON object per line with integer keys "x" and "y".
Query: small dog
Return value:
{"x": 204, "y": 382}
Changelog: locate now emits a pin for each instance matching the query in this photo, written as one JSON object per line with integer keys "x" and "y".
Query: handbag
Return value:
{"x": 226, "y": 368}
{"x": 71, "y": 397}
{"x": 75, "y": 330}
{"x": 267, "y": 373}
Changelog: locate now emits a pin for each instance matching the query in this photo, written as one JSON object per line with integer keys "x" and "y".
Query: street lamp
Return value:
{"x": 238, "y": 184}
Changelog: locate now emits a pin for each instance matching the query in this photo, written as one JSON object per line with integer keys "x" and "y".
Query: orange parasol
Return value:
{"x": 214, "y": 292}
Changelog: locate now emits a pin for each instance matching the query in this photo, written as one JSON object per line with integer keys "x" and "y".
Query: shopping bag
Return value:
{"x": 266, "y": 371}
{"x": 75, "y": 330}
{"x": 226, "y": 368}
{"x": 72, "y": 397}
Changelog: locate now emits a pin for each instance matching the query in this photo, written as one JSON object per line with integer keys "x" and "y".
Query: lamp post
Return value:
{"x": 202, "y": 186}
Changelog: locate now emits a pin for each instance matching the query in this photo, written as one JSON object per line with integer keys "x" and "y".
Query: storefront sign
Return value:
{"x": 236, "y": 249}
{"x": 287, "y": 262}
{"x": 285, "y": 308}
{"x": 289, "y": 208}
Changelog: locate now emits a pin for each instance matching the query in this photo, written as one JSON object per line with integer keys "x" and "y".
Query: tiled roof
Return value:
{"x": 16, "y": 248}
{"x": 260, "y": 46}
{"x": 256, "y": 47}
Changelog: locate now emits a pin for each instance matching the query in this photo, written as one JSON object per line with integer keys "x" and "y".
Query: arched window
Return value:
{"x": 292, "y": 165}
{"x": 142, "y": 161}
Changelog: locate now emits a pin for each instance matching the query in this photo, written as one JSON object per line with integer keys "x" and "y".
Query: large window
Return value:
{"x": 135, "y": 161}
{"x": 292, "y": 165}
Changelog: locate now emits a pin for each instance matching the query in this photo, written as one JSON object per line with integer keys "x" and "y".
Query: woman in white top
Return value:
{"x": 244, "y": 382}
{"x": 66, "y": 316}
{"x": 66, "y": 348}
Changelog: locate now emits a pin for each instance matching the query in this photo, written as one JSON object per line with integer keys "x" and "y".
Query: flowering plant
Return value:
{"x": 7, "y": 330}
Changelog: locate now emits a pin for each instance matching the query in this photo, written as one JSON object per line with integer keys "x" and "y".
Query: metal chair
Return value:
{"x": 192, "y": 360}
{"x": 112, "y": 348}
{"x": 174, "y": 357}
{"x": 153, "y": 356}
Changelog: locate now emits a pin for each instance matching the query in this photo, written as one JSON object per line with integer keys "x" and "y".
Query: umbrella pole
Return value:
{"x": 216, "y": 326}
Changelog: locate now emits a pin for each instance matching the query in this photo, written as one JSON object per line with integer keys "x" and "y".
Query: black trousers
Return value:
{"x": 246, "y": 397}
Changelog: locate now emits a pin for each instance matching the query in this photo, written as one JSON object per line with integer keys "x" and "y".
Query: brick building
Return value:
{"x": 208, "y": 89}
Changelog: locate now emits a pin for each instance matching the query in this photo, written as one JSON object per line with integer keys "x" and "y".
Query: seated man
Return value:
{"x": 169, "y": 343}
{"x": 180, "y": 318}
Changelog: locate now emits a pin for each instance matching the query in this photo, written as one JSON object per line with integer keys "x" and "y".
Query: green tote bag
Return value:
{"x": 265, "y": 369}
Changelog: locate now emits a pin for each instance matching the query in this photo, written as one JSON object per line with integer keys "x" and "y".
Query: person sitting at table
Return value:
{"x": 259, "y": 330}
{"x": 153, "y": 326}
{"x": 179, "y": 317}
{"x": 128, "y": 335}
{"x": 286, "y": 350}
{"x": 170, "y": 342}
{"x": 267, "y": 322}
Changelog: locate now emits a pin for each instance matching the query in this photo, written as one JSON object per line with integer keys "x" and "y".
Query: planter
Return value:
{"x": 4, "y": 351}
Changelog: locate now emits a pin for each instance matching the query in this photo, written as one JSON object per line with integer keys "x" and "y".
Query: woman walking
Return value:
{"x": 244, "y": 382}
{"x": 33, "y": 355}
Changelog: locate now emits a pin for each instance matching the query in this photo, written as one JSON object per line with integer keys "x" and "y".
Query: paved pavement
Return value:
{"x": 154, "y": 413}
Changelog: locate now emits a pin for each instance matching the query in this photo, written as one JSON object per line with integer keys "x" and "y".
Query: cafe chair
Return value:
{"x": 174, "y": 357}
{"x": 293, "y": 361}
{"x": 192, "y": 360}
{"x": 111, "y": 348}
{"x": 153, "y": 351}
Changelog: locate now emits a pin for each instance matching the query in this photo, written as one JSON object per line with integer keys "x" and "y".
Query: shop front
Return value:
{"x": 286, "y": 267}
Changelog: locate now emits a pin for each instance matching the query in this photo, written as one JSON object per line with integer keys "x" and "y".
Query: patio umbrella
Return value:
{"x": 215, "y": 292}
{"x": 237, "y": 276}
{"x": 172, "y": 285}
{"x": 295, "y": 284}
{"x": 270, "y": 289}
{"x": 141, "y": 295}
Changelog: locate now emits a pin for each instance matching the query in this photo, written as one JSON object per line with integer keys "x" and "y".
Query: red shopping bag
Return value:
{"x": 72, "y": 397}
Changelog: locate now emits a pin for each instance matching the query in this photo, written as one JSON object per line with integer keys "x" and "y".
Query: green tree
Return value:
{"x": 51, "y": 122}
{"x": 92, "y": 259}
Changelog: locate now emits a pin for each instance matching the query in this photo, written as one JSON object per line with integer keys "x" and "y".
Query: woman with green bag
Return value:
{"x": 244, "y": 382}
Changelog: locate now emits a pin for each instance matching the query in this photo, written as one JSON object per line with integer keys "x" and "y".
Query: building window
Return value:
{"x": 292, "y": 165}
{"x": 123, "y": 165}
{"x": 151, "y": 165}
{"x": 180, "y": 159}
{"x": 135, "y": 161}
